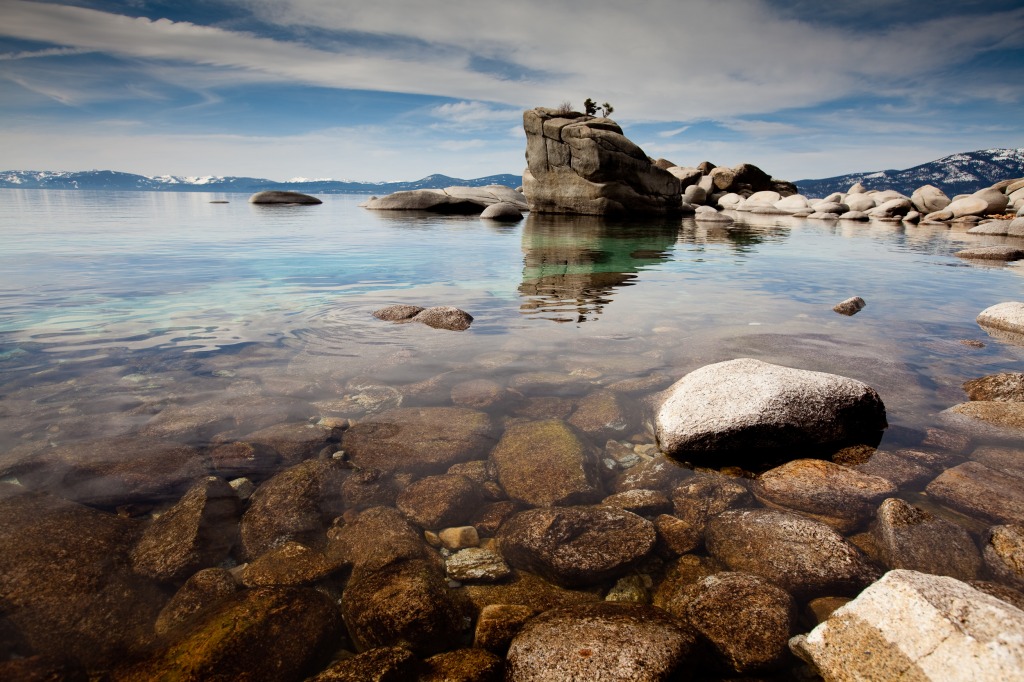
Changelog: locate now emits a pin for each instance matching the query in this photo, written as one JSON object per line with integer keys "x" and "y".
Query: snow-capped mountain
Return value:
{"x": 114, "y": 180}
{"x": 955, "y": 174}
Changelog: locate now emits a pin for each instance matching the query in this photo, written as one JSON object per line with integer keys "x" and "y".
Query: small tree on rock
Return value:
{"x": 589, "y": 107}
{"x": 607, "y": 109}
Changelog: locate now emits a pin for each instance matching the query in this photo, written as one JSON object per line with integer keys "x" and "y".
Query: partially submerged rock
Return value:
{"x": 980, "y": 491}
{"x": 912, "y": 625}
{"x": 450, "y": 200}
{"x": 746, "y": 404}
{"x": 995, "y": 253}
{"x": 438, "y": 317}
{"x": 284, "y": 633}
{"x": 503, "y": 211}
{"x": 280, "y": 197}
{"x": 831, "y": 493}
{"x": 1007, "y": 317}
{"x": 850, "y": 306}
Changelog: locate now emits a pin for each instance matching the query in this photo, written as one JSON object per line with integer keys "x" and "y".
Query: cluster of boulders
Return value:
{"x": 453, "y": 541}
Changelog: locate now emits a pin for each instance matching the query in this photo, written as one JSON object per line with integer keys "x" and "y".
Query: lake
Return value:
{"x": 172, "y": 316}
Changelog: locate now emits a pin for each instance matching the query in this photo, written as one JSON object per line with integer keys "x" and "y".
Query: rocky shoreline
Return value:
{"x": 739, "y": 521}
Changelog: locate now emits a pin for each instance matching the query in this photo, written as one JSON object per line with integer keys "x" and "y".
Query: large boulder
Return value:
{"x": 747, "y": 404}
{"x": 912, "y": 625}
{"x": 608, "y": 641}
{"x": 928, "y": 199}
{"x": 464, "y": 200}
{"x": 585, "y": 165}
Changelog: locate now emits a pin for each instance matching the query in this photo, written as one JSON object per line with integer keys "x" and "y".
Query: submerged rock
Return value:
{"x": 201, "y": 592}
{"x": 747, "y": 404}
{"x": 383, "y": 664}
{"x": 65, "y": 580}
{"x": 294, "y": 505}
{"x": 283, "y": 198}
{"x": 608, "y": 641}
{"x": 406, "y": 604}
{"x": 418, "y": 440}
{"x": 397, "y": 312}
{"x": 546, "y": 463}
{"x": 979, "y": 491}
{"x": 747, "y": 620}
{"x": 912, "y": 538}
{"x": 918, "y": 626}
{"x": 197, "y": 532}
{"x": 284, "y": 633}
{"x": 804, "y": 557}
{"x": 576, "y": 545}
{"x": 996, "y": 253}
{"x": 1004, "y": 554}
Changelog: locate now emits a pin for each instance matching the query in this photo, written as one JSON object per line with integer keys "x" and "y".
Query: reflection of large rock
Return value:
{"x": 573, "y": 264}
{"x": 581, "y": 164}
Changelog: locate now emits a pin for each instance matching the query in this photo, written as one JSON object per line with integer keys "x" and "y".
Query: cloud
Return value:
{"x": 473, "y": 113}
{"x": 673, "y": 132}
{"x": 655, "y": 61}
{"x": 49, "y": 52}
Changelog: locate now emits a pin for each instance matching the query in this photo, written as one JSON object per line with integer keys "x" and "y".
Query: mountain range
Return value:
{"x": 955, "y": 174}
{"x": 114, "y": 180}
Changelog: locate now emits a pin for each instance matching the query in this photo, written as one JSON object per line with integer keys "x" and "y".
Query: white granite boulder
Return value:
{"x": 928, "y": 199}
{"x": 1007, "y": 316}
{"x": 748, "y": 404}
{"x": 916, "y": 626}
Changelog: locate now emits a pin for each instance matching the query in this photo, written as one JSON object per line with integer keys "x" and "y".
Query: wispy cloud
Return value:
{"x": 37, "y": 54}
{"x": 673, "y": 132}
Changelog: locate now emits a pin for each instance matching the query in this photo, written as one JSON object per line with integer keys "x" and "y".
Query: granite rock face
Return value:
{"x": 747, "y": 404}
{"x": 915, "y": 626}
{"x": 584, "y": 165}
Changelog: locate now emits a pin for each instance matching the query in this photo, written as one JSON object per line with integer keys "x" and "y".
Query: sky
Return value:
{"x": 400, "y": 89}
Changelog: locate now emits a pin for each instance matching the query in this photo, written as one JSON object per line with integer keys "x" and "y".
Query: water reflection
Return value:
{"x": 573, "y": 264}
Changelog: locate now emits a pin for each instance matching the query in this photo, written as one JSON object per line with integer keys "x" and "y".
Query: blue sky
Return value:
{"x": 399, "y": 89}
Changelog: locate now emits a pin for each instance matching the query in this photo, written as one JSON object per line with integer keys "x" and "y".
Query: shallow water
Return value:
{"x": 120, "y": 311}
{"x": 99, "y": 286}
